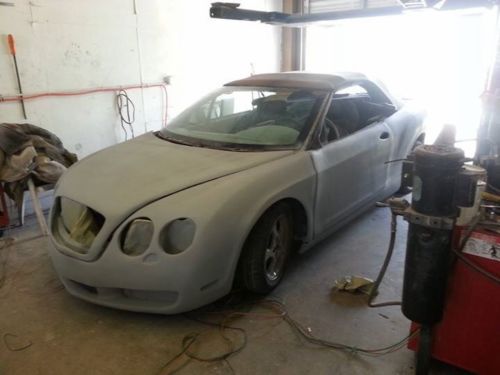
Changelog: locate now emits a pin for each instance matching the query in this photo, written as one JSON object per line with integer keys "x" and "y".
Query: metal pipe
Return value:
{"x": 12, "y": 48}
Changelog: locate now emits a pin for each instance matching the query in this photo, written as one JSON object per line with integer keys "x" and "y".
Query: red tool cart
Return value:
{"x": 469, "y": 334}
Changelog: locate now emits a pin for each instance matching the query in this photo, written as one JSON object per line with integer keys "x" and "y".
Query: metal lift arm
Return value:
{"x": 233, "y": 12}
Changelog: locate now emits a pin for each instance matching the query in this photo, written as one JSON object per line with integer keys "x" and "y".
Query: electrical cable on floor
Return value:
{"x": 126, "y": 110}
{"x": 305, "y": 333}
{"x": 278, "y": 311}
{"x": 191, "y": 338}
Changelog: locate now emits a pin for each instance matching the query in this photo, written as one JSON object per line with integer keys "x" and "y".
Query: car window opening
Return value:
{"x": 353, "y": 108}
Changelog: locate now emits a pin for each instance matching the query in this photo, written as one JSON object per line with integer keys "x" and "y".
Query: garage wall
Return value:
{"x": 74, "y": 45}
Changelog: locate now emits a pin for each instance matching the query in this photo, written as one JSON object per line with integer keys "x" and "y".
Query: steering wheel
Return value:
{"x": 331, "y": 128}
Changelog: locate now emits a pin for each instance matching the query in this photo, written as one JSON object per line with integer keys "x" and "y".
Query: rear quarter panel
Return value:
{"x": 407, "y": 124}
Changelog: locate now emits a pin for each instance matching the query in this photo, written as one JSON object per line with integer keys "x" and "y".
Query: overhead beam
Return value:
{"x": 232, "y": 11}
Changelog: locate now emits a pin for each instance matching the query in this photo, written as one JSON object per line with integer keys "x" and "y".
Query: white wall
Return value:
{"x": 79, "y": 44}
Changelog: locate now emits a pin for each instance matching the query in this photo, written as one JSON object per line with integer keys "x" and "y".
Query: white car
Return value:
{"x": 172, "y": 220}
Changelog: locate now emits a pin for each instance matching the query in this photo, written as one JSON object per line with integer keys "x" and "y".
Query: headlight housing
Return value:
{"x": 136, "y": 236}
{"x": 75, "y": 224}
{"x": 177, "y": 235}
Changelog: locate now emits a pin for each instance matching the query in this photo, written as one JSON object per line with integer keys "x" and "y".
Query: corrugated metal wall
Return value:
{"x": 318, "y": 6}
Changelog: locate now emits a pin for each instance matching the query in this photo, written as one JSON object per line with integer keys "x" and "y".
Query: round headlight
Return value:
{"x": 177, "y": 235}
{"x": 136, "y": 236}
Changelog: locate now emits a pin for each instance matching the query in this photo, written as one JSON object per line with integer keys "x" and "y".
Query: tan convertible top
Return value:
{"x": 300, "y": 80}
{"x": 316, "y": 81}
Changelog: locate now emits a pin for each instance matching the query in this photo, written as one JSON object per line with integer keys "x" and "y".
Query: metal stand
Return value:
{"x": 424, "y": 354}
{"x": 38, "y": 208}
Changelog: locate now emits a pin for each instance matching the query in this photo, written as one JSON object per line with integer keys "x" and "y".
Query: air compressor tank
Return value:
{"x": 433, "y": 210}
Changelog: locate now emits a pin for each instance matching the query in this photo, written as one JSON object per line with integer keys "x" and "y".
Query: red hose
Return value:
{"x": 24, "y": 97}
{"x": 16, "y": 98}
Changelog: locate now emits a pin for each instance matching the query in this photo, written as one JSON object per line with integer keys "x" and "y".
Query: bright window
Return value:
{"x": 439, "y": 60}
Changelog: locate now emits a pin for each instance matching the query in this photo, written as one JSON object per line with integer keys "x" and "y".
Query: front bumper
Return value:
{"x": 155, "y": 281}
{"x": 151, "y": 283}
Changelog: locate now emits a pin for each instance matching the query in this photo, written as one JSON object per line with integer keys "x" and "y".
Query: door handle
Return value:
{"x": 384, "y": 135}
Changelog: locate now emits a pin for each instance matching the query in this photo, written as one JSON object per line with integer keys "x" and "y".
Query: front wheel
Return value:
{"x": 266, "y": 250}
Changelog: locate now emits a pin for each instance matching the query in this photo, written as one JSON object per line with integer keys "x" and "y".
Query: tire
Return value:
{"x": 266, "y": 250}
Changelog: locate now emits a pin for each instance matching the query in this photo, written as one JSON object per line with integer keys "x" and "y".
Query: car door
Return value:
{"x": 351, "y": 172}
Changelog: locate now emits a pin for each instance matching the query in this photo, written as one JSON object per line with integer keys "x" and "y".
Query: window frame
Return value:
{"x": 374, "y": 92}
{"x": 302, "y": 140}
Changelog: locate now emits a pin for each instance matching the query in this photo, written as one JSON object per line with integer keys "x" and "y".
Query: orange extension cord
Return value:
{"x": 19, "y": 97}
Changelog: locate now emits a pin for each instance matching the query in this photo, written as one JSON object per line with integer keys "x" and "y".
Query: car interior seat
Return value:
{"x": 271, "y": 110}
{"x": 264, "y": 112}
{"x": 345, "y": 115}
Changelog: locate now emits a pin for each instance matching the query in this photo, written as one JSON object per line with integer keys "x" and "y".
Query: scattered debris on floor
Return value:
{"x": 353, "y": 284}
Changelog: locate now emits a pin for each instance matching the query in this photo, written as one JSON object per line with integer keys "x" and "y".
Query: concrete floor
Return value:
{"x": 46, "y": 331}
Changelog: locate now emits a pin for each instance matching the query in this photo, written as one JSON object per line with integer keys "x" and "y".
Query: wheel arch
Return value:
{"x": 300, "y": 222}
{"x": 299, "y": 216}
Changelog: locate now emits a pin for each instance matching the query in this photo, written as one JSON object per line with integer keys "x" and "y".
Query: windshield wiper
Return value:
{"x": 178, "y": 141}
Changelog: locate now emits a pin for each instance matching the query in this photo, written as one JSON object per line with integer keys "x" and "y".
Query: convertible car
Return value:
{"x": 264, "y": 166}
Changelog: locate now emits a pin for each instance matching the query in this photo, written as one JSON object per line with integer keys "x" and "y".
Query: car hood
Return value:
{"x": 119, "y": 180}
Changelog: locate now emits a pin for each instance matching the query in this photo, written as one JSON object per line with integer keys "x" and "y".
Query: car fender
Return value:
{"x": 291, "y": 177}
{"x": 228, "y": 208}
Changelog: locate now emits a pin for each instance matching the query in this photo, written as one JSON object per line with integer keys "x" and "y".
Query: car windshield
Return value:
{"x": 247, "y": 118}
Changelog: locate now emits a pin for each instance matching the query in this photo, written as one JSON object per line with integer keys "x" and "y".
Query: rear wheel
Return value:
{"x": 266, "y": 250}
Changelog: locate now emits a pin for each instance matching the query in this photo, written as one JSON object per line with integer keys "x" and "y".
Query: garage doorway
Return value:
{"x": 439, "y": 60}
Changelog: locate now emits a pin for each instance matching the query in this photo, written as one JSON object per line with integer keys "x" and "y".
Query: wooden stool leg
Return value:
{"x": 38, "y": 208}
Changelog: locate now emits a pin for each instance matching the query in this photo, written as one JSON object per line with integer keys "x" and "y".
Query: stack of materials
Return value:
{"x": 30, "y": 152}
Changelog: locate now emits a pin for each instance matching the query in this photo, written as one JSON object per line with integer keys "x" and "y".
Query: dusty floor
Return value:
{"x": 45, "y": 331}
